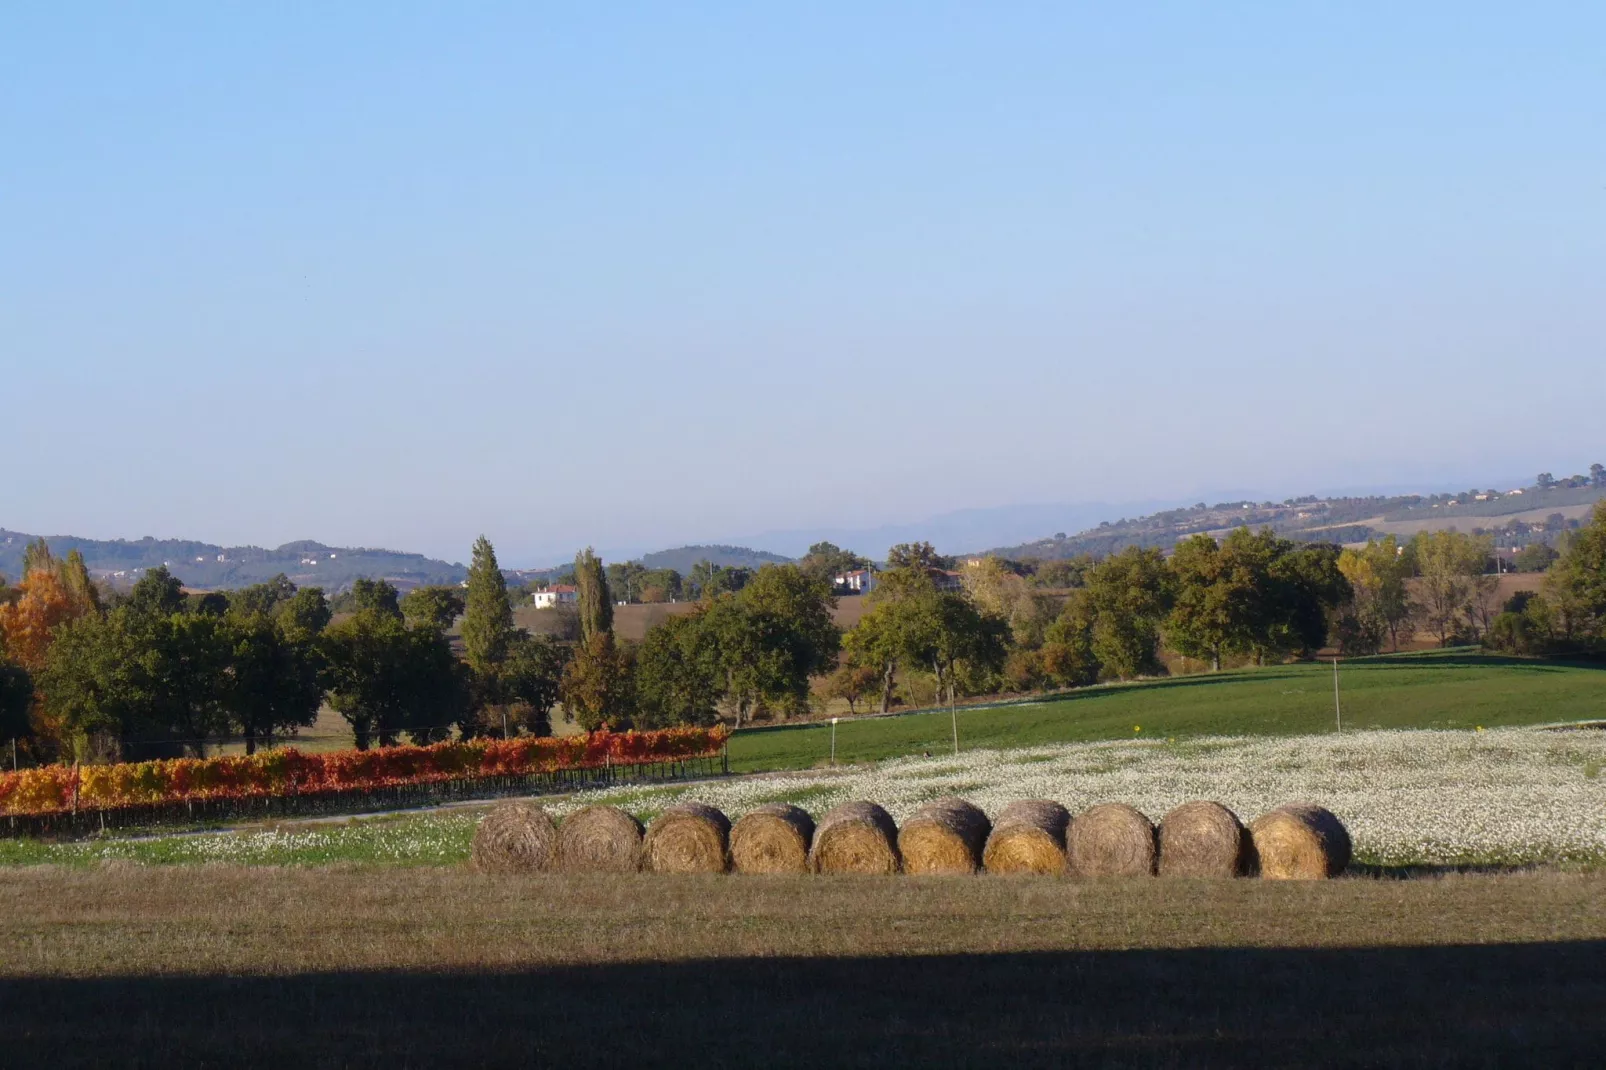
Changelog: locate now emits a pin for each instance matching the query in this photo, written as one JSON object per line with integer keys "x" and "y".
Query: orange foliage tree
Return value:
{"x": 28, "y": 624}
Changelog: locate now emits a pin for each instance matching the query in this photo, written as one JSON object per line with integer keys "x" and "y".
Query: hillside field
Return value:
{"x": 1457, "y": 688}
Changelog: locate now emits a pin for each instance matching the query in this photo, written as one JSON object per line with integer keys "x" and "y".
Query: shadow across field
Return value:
{"x": 1535, "y": 1004}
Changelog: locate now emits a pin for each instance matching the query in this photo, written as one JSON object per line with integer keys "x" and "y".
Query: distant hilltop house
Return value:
{"x": 859, "y": 581}
{"x": 863, "y": 580}
{"x": 562, "y": 594}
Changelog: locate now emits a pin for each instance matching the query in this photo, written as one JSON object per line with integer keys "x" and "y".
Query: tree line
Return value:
{"x": 87, "y": 675}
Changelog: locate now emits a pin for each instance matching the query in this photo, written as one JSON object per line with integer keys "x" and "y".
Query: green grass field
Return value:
{"x": 1440, "y": 689}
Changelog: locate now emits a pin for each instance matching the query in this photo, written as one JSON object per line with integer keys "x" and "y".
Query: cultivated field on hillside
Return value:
{"x": 342, "y": 967}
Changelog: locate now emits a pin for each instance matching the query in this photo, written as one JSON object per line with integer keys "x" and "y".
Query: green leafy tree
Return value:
{"x": 376, "y": 596}
{"x": 1207, "y": 616}
{"x": 436, "y": 608}
{"x": 16, "y": 699}
{"x": 263, "y": 599}
{"x": 274, "y": 682}
{"x": 487, "y": 614}
{"x": 595, "y": 599}
{"x": 304, "y": 615}
{"x": 1535, "y": 557}
{"x": 386, "y": 678}
{"x": 827, "y": 561}
{"x": 1127, "y": 597}
{"x": 916, "y": 555}
{"x": 158, "y": 593}
{"x": 678, "y": 674}
{"x": 1575, "y": 587}
{"x": 597, "y": 687}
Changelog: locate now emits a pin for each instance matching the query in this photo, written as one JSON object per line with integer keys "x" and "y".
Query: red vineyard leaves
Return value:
{"x": 56, "y": 788}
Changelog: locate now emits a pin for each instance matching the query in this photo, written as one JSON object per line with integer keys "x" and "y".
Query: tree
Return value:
{"x": 678, "y": 677}
{"x": 16, "y": 699}
{"x": 436, "y": 608}
{"x": 1127, "y": 596}
{"x": 624, "y": 580}
{"x": 1575, "y": 588}
{"x": 1380, "y": 603}
{"x": 263, "y": 599}
{"x": 377, "y": 596}
{"x": 81, "y": 592}
{"x": 305, "y": 615}
{"x": 386, "y": 678}
{"x": 1002, "y": 592}
{"x": 158, "y": 593}
{"x": 1545, "y": 480}
{"x": 518, "y": 693}
{"x": 487, "y": 613}
{"x": 597, "y": 686}
{"x": 595, "y": 600}
{"x": 1597, "y": 475}
{"x": 1451, "y": 566}
{"x": 1535, "y": 557}
{"x": 273, "y": 683}
{"x": 827, "y": 561}
{"x": 852, "y": 683}
{"x": 1206, "y": 618}
{"x": 915, "y": 555}
{"x": 29, "y": 624}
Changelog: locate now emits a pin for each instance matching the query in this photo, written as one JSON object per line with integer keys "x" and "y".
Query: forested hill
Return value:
{"x": 682, "y": 558}
{"x": 1519, "y": 515}
{"x": 204, "y": 565}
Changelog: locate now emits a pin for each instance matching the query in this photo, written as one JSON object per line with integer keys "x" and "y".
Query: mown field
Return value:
{"x": 1441, "y": 689}
{"x": 429, "y": 967}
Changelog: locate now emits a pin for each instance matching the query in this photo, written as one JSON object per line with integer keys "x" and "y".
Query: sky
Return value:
{"x": 645, "y": 274}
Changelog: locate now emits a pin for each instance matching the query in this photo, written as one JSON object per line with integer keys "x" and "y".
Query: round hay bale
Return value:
{"x": 1300, "y": 841}
{"x": 1029, "y": 837}
{"x": 944, "y": 837}
{"x": 1110, "y": 840}
{"x": 515, "y": 837}
{"x": 772, "y": 839}
{"x": 687, "y": 838}
{"x": 1203, "y": 839}
{"x": 599, "y": 839}
{"x": 856, "y": 837}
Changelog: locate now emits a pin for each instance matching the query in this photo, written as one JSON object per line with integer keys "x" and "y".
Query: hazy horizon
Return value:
{"x": 397, "y": 277}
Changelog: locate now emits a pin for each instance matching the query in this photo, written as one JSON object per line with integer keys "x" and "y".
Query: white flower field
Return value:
{"x": 1511, "y": 796}
{"x": 1502, "y": 797}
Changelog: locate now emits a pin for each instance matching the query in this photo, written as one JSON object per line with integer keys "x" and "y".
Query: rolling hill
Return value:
{"x": 204, "y": 565}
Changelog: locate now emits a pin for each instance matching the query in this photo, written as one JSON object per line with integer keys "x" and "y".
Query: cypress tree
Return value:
{"x": 487, "y": 615}
{"x": 596, "y": 602}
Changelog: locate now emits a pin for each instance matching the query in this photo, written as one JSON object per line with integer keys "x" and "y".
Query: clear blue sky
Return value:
{"x": 645, "y": 274}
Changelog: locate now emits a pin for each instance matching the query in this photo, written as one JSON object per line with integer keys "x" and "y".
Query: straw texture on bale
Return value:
{"x": 1029, "y": 837}
{"x": 1110, "y": 840}
{"x": 772, "y": 839}
{"x": 1203, "y": 839}
{"x": 944, "y": 837}
{"x": 688, "y": 838}
{"x": 856, "y": 837}
{"x": 599, "y": 839}
{"x": 1300, "y": 841}
{"x": 516, "y": 837}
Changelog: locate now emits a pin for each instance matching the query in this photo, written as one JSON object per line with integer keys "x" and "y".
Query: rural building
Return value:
{"x": 560, "y": 595}
{"x": 859, "y": 581}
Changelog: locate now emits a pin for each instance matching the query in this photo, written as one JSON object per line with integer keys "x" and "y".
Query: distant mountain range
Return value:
{"x": 205, "y": 565}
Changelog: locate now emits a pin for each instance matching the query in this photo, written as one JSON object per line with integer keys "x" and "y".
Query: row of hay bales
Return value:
{"x": 948, "y": 836}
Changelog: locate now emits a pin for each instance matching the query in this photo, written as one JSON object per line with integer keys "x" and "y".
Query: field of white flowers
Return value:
{"x": 1511, "y": 796}
{"x": 1506, "y": 797}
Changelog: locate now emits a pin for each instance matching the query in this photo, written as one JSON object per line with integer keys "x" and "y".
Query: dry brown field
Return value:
{"x": 427, "y": 967}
